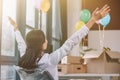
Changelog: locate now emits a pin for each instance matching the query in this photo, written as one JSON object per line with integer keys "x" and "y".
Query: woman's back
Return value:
{"x": 34, "y": 74}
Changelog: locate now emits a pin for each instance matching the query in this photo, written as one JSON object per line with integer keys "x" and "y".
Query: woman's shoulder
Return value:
{"x": 44, "y": 59}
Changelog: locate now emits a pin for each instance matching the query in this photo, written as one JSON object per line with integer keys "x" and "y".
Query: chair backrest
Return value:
{"x": 35, "y": 74}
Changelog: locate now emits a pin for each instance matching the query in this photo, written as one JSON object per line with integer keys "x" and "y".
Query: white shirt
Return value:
{"x": 51, "y": 60}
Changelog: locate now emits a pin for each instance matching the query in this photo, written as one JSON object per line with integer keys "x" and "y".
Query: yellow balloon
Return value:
{"x": 79, "y": 25}
{"x": 45, "y": 5}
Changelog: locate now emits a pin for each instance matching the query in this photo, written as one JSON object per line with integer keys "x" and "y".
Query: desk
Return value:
{"x": 88, "y": 76}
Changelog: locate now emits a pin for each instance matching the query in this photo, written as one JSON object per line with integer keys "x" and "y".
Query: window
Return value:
{"x": 30, "y": 13}
{"x": 8, "y": 41}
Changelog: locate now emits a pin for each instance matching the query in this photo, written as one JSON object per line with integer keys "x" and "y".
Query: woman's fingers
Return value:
{"x": 105, "y": 10}
{"x": 105, "y": 13}
{"x": 95, "y": 11}
{"x": 100, "y": 13}
{"x": 11, "y": 21}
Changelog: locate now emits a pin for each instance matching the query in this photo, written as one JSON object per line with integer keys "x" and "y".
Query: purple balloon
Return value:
{"x": 37, "y": 4}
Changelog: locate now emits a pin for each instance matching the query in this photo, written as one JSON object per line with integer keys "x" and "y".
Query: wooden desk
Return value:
{"x": 88, "y": 76}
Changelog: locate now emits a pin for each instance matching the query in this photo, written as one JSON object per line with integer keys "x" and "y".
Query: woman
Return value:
{"x": 32, "y": 52}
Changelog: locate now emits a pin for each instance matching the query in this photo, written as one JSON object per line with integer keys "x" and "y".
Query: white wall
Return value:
{"x": 73, "y": 13}
{"x": 111, "y": 39}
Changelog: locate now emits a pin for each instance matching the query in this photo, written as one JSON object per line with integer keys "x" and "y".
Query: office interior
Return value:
{"x": 58, "y": 23}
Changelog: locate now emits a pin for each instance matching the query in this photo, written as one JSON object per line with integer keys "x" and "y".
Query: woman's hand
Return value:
{"x": 98, "y": 14}
{"x": 13, "y": 23}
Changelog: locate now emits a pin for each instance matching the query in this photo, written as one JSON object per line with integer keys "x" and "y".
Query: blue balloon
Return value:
{"x": 105, "y": 20}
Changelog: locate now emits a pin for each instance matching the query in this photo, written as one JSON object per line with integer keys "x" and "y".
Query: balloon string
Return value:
{"x": 100, "y": 38}
{"x": 103, "y": 35}
{"x": 39, "y": 19}
{"x": 99, "y": 35}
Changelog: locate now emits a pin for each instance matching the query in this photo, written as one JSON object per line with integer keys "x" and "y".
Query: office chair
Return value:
{"x": 34, "y": 74}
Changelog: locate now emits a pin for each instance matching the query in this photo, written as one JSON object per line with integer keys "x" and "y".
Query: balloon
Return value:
{"x": 105, "y": 20}
{"x": 79, "y": 25}
{"x": 37, "y": 4}
{"x": 85, "y": 15}
{"x": 45, "y": 5}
